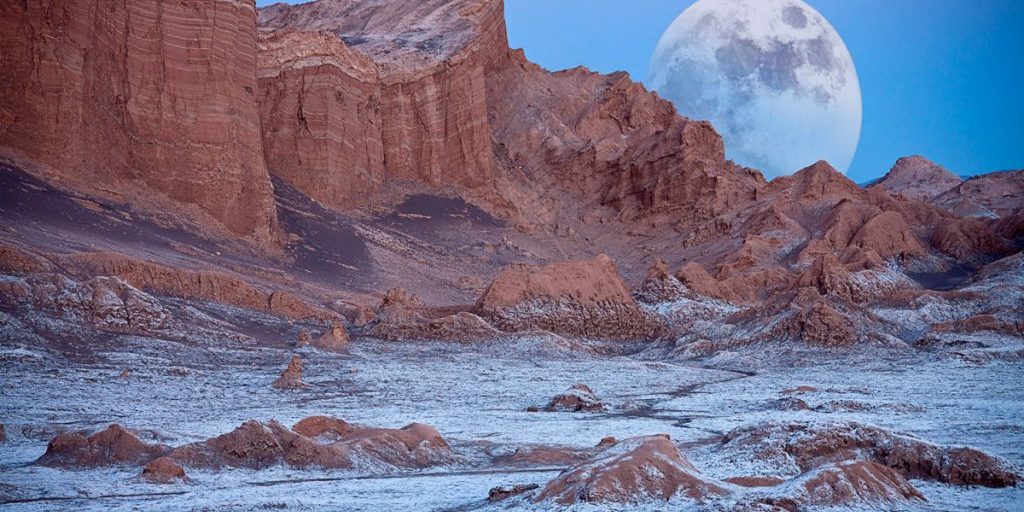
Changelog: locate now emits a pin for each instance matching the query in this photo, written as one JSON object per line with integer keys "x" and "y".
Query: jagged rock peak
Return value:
{"x": 916, "y": 177}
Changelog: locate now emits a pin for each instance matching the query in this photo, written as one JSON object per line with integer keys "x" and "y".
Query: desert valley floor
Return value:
{"x": 477, "y": 397}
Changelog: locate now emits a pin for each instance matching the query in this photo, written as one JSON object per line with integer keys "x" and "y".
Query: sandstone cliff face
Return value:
{"x": 151, "y": 103}
{"x": 363, "y": 99}
{"x": 358, "y": 98}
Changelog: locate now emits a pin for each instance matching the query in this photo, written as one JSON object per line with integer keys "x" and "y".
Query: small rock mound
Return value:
{"x": 112, "y": 446}
{"x": 413, "y": 446}
{"x": 253, "y": 445}
{"x": 400, "y": 318}
{"x": 578, "y": 398}
{"x": 508, "y": 491}
{"x": 545, "y": 455}
{"x": 575, "y": 298}
{"x": 637, "y": 469}
{"x": 800, "y": 389}
{"x": 846, "y": 483}
{"x": 660, "y": 286}
{"x": 291, "y": 377}
{"x": 810, "y": 318}
{"x": 163, "y": 471}
{"x": 334, "y": 339}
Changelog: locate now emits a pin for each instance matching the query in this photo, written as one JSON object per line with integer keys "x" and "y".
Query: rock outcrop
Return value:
{"x": 505, "y": 492}
{"x": 318, "y": 442}
{"x": 112, "y": 446}
{"x": 844, "y": 484}
{"x": 578, "y": 398}
{"x": 291, "y": 377}
{"x": 335, "y": 339}
{"x": 633, "y": 470}
{"x": 107, "y": 303}
{"x": 195, "y": 284}
{"x": 351, "y": 111}
{"x": 151, "y": 103}
{"x": 795, "y": 448}
{"x": 163, "y": 471}
{"x": 580, "y": 298}
{"x": 997, "y": 194}
{"x": 402, "y": 317}
{"x": 917, "y": 178}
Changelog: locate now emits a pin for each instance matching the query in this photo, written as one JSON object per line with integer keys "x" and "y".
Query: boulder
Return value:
{"x": 413, "y": 446}
{"x": 578, "y": 398}
{"x": 334, "y": 339}
{"x": 163, "y": 471}
{"x": 252, "y": 445}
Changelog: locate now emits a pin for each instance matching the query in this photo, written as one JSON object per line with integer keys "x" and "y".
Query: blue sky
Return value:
{"x": 940, "y": 78}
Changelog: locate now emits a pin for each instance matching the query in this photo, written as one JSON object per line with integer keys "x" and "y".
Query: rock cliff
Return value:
{"x": 147, "y": 102}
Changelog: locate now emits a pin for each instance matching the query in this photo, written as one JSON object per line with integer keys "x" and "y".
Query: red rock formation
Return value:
{"x": 291, "y": 377}
{"x": 981, "y": 323}
{"x": 350, "y": 110}
{"x": 163, "y": 471}
{"x": 544, "y": 455}
{"x": 505, "y": 492}
{"x": 334, "y": 339}
{"x": 318, "y": 442}
{"x": 578, "y": 398}
{"x": 152, "y": 103}
{"x": 582, "y": 298}
{"x": 795, "y": 448}
{"x": 638, "y": 469}
{"x": 660, "y": 286}
{"x": 917, "y": 178}
{"x": 107, "y": 303}
{"x": 213, "y": 285}
{"x": 996, "y": 194}
{"x": 969, "y": 240}
{"x": 112, "y": 446}
{"x": 253, "y": 445}
{"x": 401, "y": 316}
{"x": 844, "y": 484}
{"x": 848, "y": 483}
{"x": 413, "y": 446}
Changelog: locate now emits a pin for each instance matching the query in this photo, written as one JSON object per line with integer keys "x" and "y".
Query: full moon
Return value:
{"x": 773, "y": 76}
